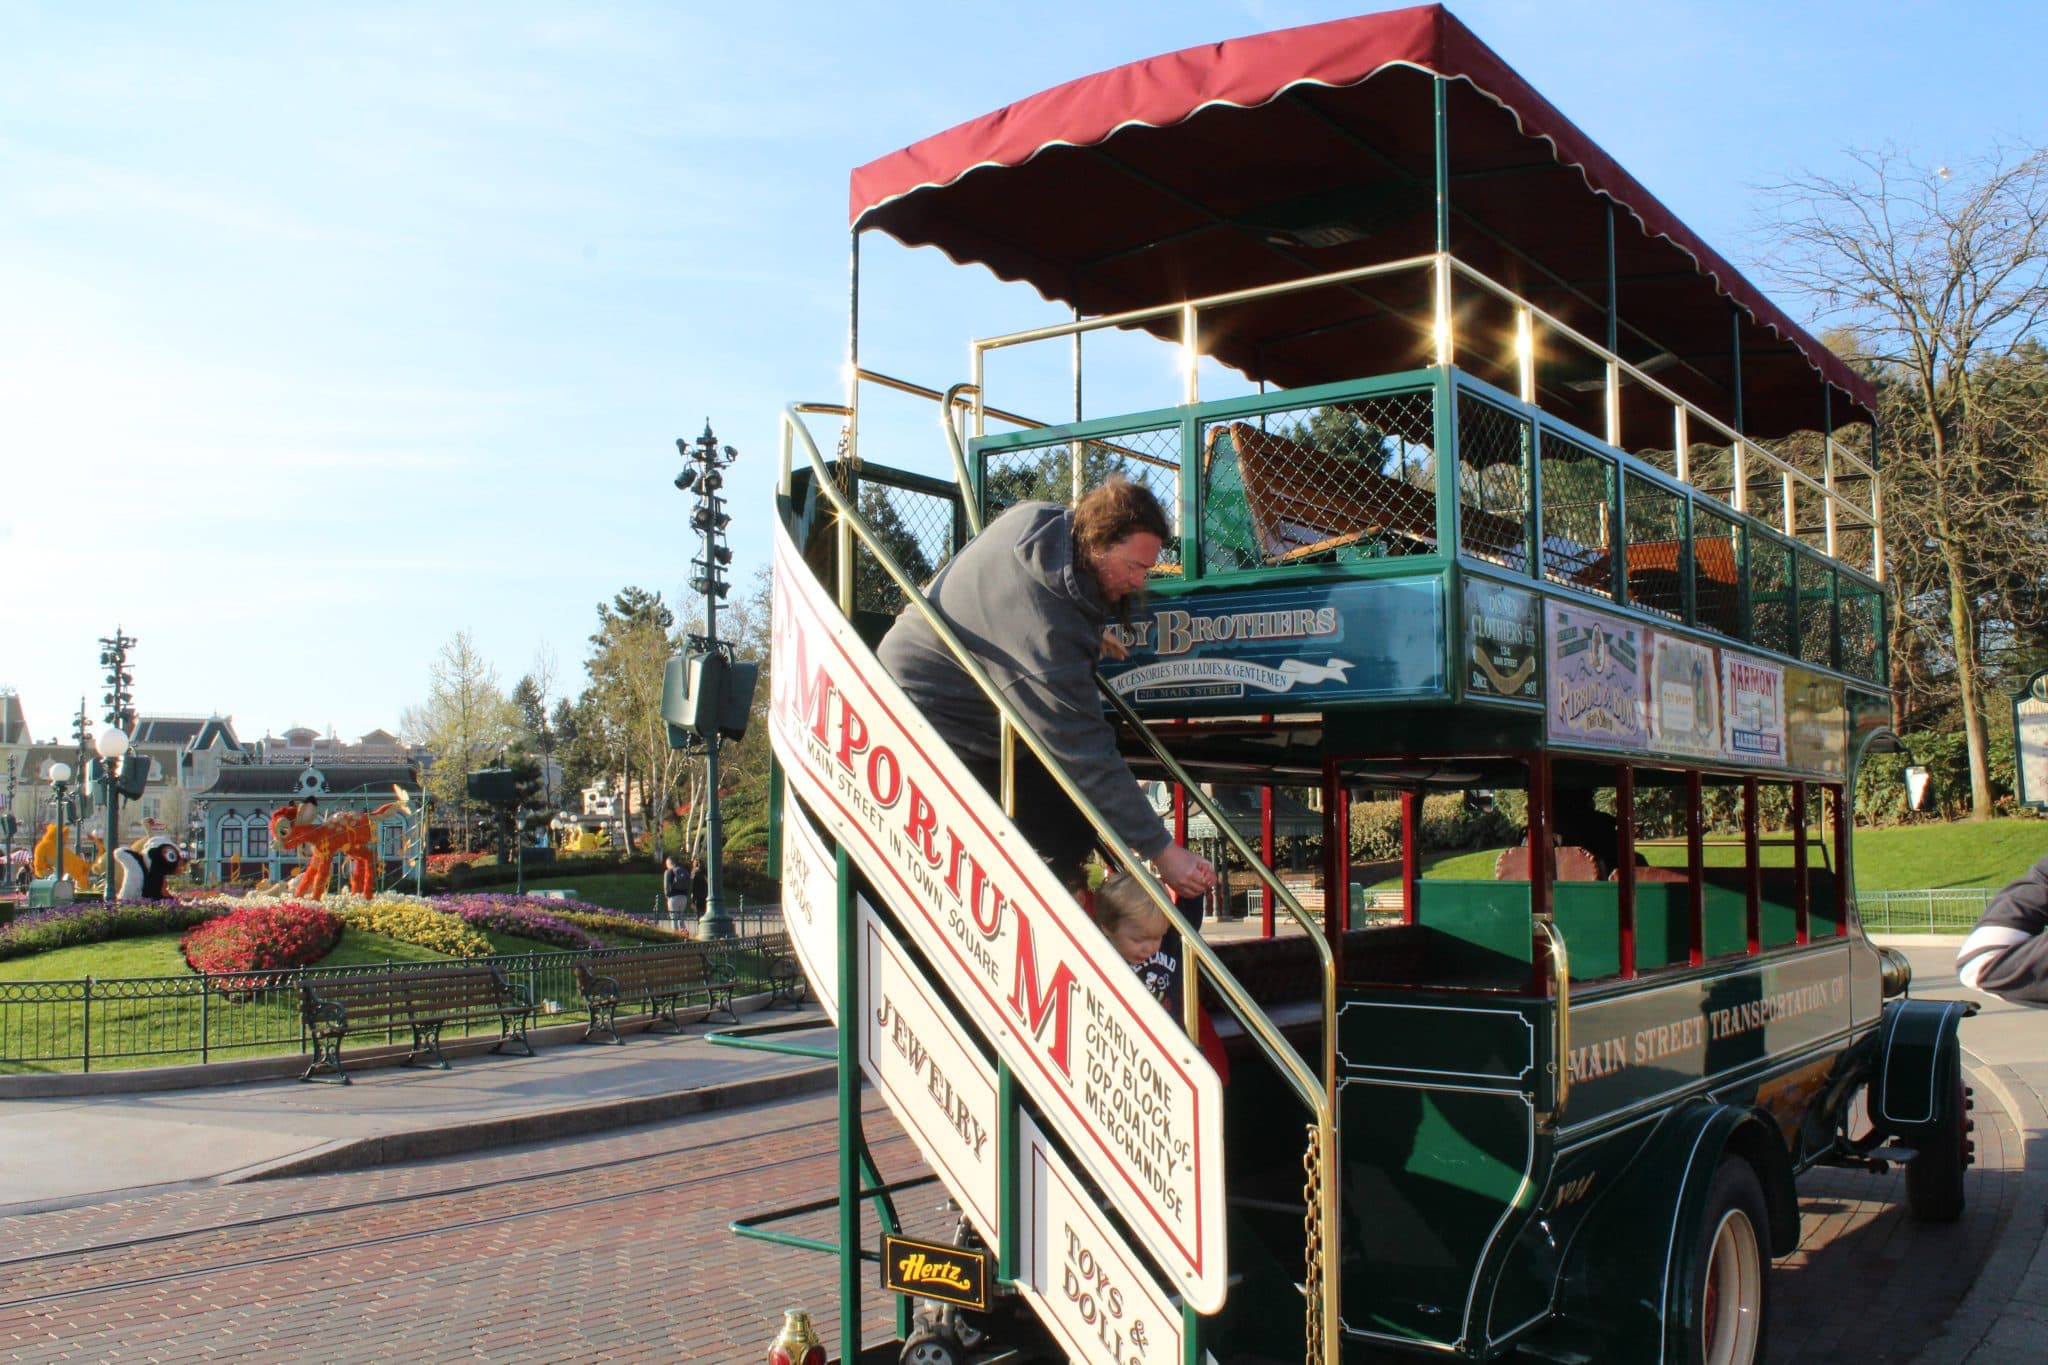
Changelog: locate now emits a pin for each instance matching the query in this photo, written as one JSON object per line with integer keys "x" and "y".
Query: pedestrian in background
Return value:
{"x": 675, "y": 887}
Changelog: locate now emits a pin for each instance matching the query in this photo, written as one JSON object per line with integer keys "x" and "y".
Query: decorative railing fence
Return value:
{"x": 1922, "y": 912}
{"x": 209, "y": 1017}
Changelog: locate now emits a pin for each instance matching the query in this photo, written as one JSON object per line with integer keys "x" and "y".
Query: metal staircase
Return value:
{"x": 1070, "y": 1116}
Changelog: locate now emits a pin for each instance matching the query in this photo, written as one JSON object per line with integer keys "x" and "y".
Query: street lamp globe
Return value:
{"x": 60, "y": 772}
{"x": 113, "y": 743}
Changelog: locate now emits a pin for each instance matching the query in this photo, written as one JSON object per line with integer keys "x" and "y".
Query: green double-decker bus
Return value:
{"x": 1501, "y": 497}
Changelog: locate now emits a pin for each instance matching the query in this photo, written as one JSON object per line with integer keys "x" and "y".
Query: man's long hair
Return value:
{"x": 1112, "y": 511}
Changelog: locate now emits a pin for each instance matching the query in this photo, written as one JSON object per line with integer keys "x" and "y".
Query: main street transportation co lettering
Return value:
{"x": 1140, "y": 1108}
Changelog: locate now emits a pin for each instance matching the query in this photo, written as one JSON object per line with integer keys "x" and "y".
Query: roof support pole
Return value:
{"x": 1613, "y": 391}
{"x": 853, "y": 347}
{"x": 1075, "y": 451}
{"x": 1441, "y": 93}
{"x": 1738, "y": 456}
{"x": 1827, "y": 468}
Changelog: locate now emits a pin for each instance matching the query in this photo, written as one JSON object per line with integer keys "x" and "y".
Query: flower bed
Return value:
{"x": 534, "y": 919}
{"x": 265, "y": 938}
{"x": 412, "y": 921}
{"x": 67, "y": 926}
{"x": 613, "y": 926}
{"x": 441, "y": 862}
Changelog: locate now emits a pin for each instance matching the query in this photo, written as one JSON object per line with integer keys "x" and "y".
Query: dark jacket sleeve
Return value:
{"x": 1065, "y": 709}
{"x": 2007, "y": 953}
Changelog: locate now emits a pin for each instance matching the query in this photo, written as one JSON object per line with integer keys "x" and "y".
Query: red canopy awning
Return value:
{"x": 1311, "y": 150}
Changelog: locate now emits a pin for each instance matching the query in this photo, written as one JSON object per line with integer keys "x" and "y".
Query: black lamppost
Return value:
{"x": 7, "y": 826}
{"x": 703, "y": 464}
{"x": 113, "y": 741}
{"x": 60, "y": 782}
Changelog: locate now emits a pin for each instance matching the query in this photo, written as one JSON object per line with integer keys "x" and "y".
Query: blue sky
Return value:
{"x": 328, "y": 331}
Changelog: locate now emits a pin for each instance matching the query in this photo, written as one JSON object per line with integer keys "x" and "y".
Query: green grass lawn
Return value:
{"x": 633, "y": 892}
{"x": 1907, "y": 858}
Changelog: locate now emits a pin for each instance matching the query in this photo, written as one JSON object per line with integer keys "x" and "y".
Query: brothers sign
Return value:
{"x": 1114, "y": 1074}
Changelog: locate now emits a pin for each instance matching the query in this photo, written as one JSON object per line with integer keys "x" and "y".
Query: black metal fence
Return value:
{"x": 220, "y": 1016}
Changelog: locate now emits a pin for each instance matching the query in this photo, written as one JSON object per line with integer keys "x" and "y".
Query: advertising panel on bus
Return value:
{"x": 1117, "y": 1077}
{"x": 810, "y": 901}
{"x": 1596, "y": 678}
{"x": 1292, "y": 650}
{"x": 1088, "y": 1285}
{"x": 1753, "y": 700}
{"x": 1500, "y": 641}
{"x": 1816, "y": 722}
{"x": 1685, "y": 697}
{"x": 937, "y": 1082}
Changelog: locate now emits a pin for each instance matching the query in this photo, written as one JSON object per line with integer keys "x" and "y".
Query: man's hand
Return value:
{"x": 1189, "y": 874}
{"x": 1112, "y": 647}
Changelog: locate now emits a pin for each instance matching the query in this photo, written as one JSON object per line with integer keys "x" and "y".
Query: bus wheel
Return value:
{"x": 1934, "y": 1178}
{"x": 1731, "y": 1266}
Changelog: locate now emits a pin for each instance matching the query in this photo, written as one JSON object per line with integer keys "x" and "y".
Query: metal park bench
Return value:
{"x": 786, "y": 984}
{"x": 421, "y": 1000}
{"x": 663, "y": 979}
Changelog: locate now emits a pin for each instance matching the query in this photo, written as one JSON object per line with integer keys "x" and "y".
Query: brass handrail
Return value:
{"x": 1561, "y": 1030}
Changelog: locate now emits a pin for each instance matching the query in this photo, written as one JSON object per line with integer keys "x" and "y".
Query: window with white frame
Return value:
{"x": 230, "y": 838}
{"x": 258, "y": 837}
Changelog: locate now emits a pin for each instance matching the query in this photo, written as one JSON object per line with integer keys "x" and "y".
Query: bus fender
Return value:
{"x": 1629, "y": 1266}
{"x": 1917, "y": 1062}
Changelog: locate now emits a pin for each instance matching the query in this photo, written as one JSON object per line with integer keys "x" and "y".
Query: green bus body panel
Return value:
{"x": 1588, "y": 914}
{"x": 1439, "y": 1157}
{"x": 1646, "y": 1042}
{"x": 1479, "y": 930}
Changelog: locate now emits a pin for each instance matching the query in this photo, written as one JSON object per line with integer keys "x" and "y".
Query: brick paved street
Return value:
{"x": 615, "y": 1248}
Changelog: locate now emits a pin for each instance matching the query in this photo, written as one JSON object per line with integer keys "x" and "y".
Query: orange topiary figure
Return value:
{"x": 348, "y": 834}
{"x": 44, "y": 859}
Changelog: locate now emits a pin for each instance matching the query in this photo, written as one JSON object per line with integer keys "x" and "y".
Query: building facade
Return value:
{"x": 234, "y": 812}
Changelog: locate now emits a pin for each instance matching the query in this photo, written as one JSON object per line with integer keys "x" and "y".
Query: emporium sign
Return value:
{"x": 1121, "y": 1082}
{"x": 1596, "y": 678}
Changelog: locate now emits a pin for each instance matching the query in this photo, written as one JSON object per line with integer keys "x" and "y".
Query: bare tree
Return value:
{"x": 464, "y": 723}
{"x": 1942, "y": 274}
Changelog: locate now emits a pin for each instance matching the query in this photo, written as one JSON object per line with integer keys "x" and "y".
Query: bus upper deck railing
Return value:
{"x": 1838, "y": 465}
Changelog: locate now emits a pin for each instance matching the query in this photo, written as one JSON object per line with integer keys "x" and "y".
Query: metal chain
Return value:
{"x": 1312, "y": 1284}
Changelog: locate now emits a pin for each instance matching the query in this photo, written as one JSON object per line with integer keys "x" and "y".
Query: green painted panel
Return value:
{"x": 1663, "y": 920}
{"x": 1823, "y": 916}
{"x": 1426, "y": 1176}
{"x": 1475, "y": 1042}
{"x": 1589, "y": 917}
{"x": 1780, "y": 920}
{"x": 1481, "y": 929}
{"x": 1727, "y": 921}
{"x": 1635, "y": 1044}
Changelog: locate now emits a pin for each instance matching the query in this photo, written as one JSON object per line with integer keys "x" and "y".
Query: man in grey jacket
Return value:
{"x": 1031, "y": 596}
{"x": 2007, "y": 953}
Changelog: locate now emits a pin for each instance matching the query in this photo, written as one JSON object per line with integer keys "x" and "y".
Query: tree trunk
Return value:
{"x": 1962, "y": 624}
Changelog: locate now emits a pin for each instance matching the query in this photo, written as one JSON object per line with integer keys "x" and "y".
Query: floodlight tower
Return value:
{"x": 703, "y": 463}
{"x": 113, "y": 741}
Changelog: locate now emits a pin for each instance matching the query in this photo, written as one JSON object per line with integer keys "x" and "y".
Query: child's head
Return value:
{"x": 1129, "y": 918}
